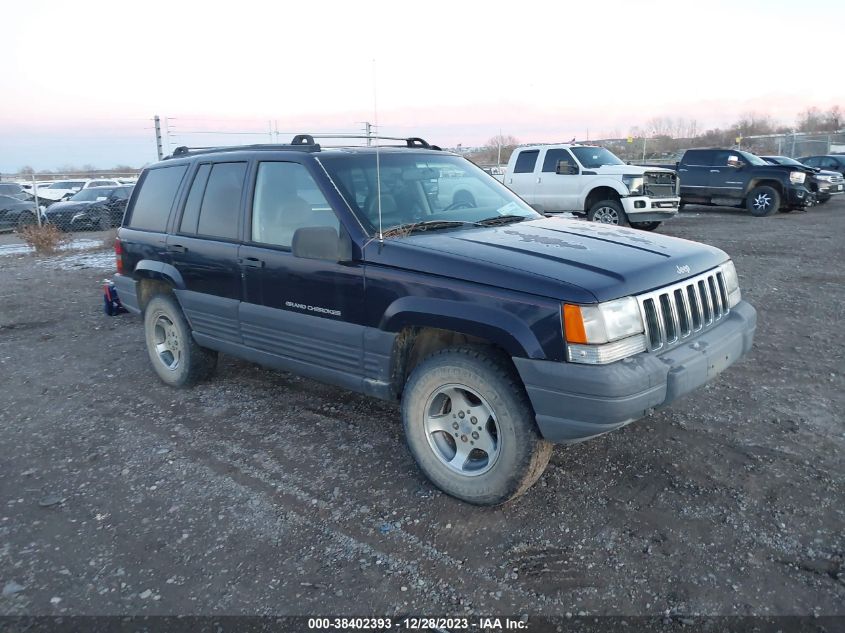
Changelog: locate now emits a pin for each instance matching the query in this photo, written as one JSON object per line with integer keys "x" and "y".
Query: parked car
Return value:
{"x": 830, "y": 162}
{"x": 733, "y": 178}
{"x": 94, "y": 208}
{"x": 15, "y": 212}
{"x": 499, "y": 330}
{"x": 824, "y": 184}
{"x": 61, "y": 189}
{"x": 592, "y": 181}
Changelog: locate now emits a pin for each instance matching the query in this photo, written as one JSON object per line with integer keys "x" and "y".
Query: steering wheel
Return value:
{"x": 460, "y": 204}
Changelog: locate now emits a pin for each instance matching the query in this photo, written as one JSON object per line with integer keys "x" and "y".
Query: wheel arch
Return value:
{"x": 597, "y": 194}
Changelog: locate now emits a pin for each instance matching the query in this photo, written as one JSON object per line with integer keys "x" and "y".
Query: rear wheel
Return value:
{"x": 608, "y": 212}
{"x": 762, "y": 201}
{"x": 176, "y": 357}
{"x": 104, "y": 223}
{"x": 645, "y": 226}
{"x": 470, "y": 426}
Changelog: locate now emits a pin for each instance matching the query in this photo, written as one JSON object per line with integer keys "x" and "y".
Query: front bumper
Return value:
{"x": 575, "y": 402}
{"x": 648, "y": 209}
{"x": 799, "y": 197}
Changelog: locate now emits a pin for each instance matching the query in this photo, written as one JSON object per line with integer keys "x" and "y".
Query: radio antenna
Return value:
{"x": 378, "y": 163}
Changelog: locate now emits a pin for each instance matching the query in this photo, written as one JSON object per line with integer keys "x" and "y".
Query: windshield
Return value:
{"x": 66, "y": 184}
{"x": 592, "y": 157}
{"x": 90, "y": 195}
{"x": 12, "y": 190}
{"x": 420, "y": 188}
{"x": 752, "y": 159}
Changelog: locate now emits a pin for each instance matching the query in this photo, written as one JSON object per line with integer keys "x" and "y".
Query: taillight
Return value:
{"x": 118, "y": 254}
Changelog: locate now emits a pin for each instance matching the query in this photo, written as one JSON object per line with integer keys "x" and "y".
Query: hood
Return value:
{"x": 619, "y": 170}
{"x": 69, "y": 205}
{"x": 569, "y": 260}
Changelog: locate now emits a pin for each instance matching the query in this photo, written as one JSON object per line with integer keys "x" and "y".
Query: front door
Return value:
{"x": 727, "y": 177}
{"x": 204, "y": 250}
{"x": 559, "y": 191}
{"x": 307, "y": 314}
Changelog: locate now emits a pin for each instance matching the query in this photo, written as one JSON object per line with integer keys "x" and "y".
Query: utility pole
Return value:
{"x": 368, "y": 130}
{"x": 158, "y": 136}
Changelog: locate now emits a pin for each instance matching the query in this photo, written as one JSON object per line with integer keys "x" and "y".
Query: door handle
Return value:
{"x": 177, "y": 248}
{"x": 683, "y": 170}
{"x": 539, "y": 180}
{"x": 252, "y": 262}
{"x": 714, "y": 171}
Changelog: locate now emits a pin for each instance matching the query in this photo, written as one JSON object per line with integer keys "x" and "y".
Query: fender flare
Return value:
{"x": 493, "y": 324}
{"x": 151, "y": 269}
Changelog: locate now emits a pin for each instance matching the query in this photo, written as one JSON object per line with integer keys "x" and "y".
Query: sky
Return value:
{"x": 81, "y": 81}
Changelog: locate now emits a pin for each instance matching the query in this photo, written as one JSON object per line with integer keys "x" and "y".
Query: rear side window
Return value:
{"x": 525, "y": 161}
{"x": 155, "y": 199}
{"x": 221, "y": 203}
{"x": 700, "y": 157}
{"x": 552, "y": 158}
{"x": 192, "y": 206}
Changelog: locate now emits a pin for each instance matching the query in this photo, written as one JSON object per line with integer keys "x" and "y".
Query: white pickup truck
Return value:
{"x": 590, "y": 180}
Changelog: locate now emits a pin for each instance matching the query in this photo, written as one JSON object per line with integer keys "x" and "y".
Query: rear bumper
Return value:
{"x": 575, "y": 402}
{"x": 127, "y": 291}
{"x": 648, "y": 209}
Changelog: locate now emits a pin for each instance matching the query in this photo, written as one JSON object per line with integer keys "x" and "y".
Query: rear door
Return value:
{"x": 307, "y": 313}
{"x": 204, "y": 249}
{"x": 558, "y": 192}
{"x": 694, "y": 172}
{"x": 522, "y": 180}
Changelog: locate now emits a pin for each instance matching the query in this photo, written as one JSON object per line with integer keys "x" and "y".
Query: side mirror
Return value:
{"x": 322, "y": 242}
{"x": 563, "y": 167}
{"x": 734, "y": 162}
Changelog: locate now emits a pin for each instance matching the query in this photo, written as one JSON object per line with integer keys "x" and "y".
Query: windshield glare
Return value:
{"x": 417, "y": 188}
{"x": 783, "y": 160}
{"x": 592, "y": 157}
{"x": 752, "y": 159}
{"x": 90, "y": 195}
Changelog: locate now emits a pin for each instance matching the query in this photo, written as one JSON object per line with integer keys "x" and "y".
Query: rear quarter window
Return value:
{"x": 156, "y": 194}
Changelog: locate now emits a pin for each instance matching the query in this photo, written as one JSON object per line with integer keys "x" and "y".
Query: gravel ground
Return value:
{"x": 264, "y": 493}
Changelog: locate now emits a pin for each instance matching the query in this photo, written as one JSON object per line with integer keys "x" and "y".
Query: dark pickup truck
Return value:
{"x": 733, "y": 178}
{"x": 499, "y": 330}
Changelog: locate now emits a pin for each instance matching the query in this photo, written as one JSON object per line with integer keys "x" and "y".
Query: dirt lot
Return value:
{"x": 261, "y": 492}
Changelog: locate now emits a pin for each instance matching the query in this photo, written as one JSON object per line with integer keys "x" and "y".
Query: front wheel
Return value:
{"x": 608, "y": 212}
{"x": 176, "y": 357}
{"x": 645, "y": 226}
{"x": 762, "y": 201}
{"x": 25, "y": 220}
{"x": 471, "y": 428}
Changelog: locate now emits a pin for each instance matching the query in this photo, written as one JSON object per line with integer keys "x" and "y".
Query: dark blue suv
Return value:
{"x": 500, "y": 330}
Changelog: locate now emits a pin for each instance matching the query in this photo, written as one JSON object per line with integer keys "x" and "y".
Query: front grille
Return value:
{"x": 660, "y": 184}
{"x": 674, "y": 313}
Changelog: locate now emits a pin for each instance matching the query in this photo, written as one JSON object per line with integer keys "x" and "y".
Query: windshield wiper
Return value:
{"x": 427, "y": 225}
{"x": 502, "y": 219}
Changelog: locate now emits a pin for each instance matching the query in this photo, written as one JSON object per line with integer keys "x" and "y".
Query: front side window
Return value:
{"x": 553, "y": 156}
{"x": 155, "y": 199}
{"x": 219, "y": 212}
{"x": 525, "y": 161}
{"x": 286, "y": 199}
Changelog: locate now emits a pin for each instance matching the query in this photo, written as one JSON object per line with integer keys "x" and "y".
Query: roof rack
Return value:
{"x": 300, "y": 142}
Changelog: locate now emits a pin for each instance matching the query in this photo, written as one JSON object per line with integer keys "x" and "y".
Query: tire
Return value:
{"x": 104, "y": 223}
{"x": 608, "y": 212}
{"x": 514, "y": 455}
{"x": 25, "y": 220}
{"x": 645, "y": 226}
{"x": 762, "y": 201}
{"x": 681, "y": 206}
{"x": 177, "y": 360}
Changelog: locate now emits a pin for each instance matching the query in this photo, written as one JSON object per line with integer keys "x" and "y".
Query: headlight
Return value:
{"x": 797, "y": 177}
{"x": 634, "y": 184}
{"x": 731, "y": 283}
{"x": 603, "y": 333}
